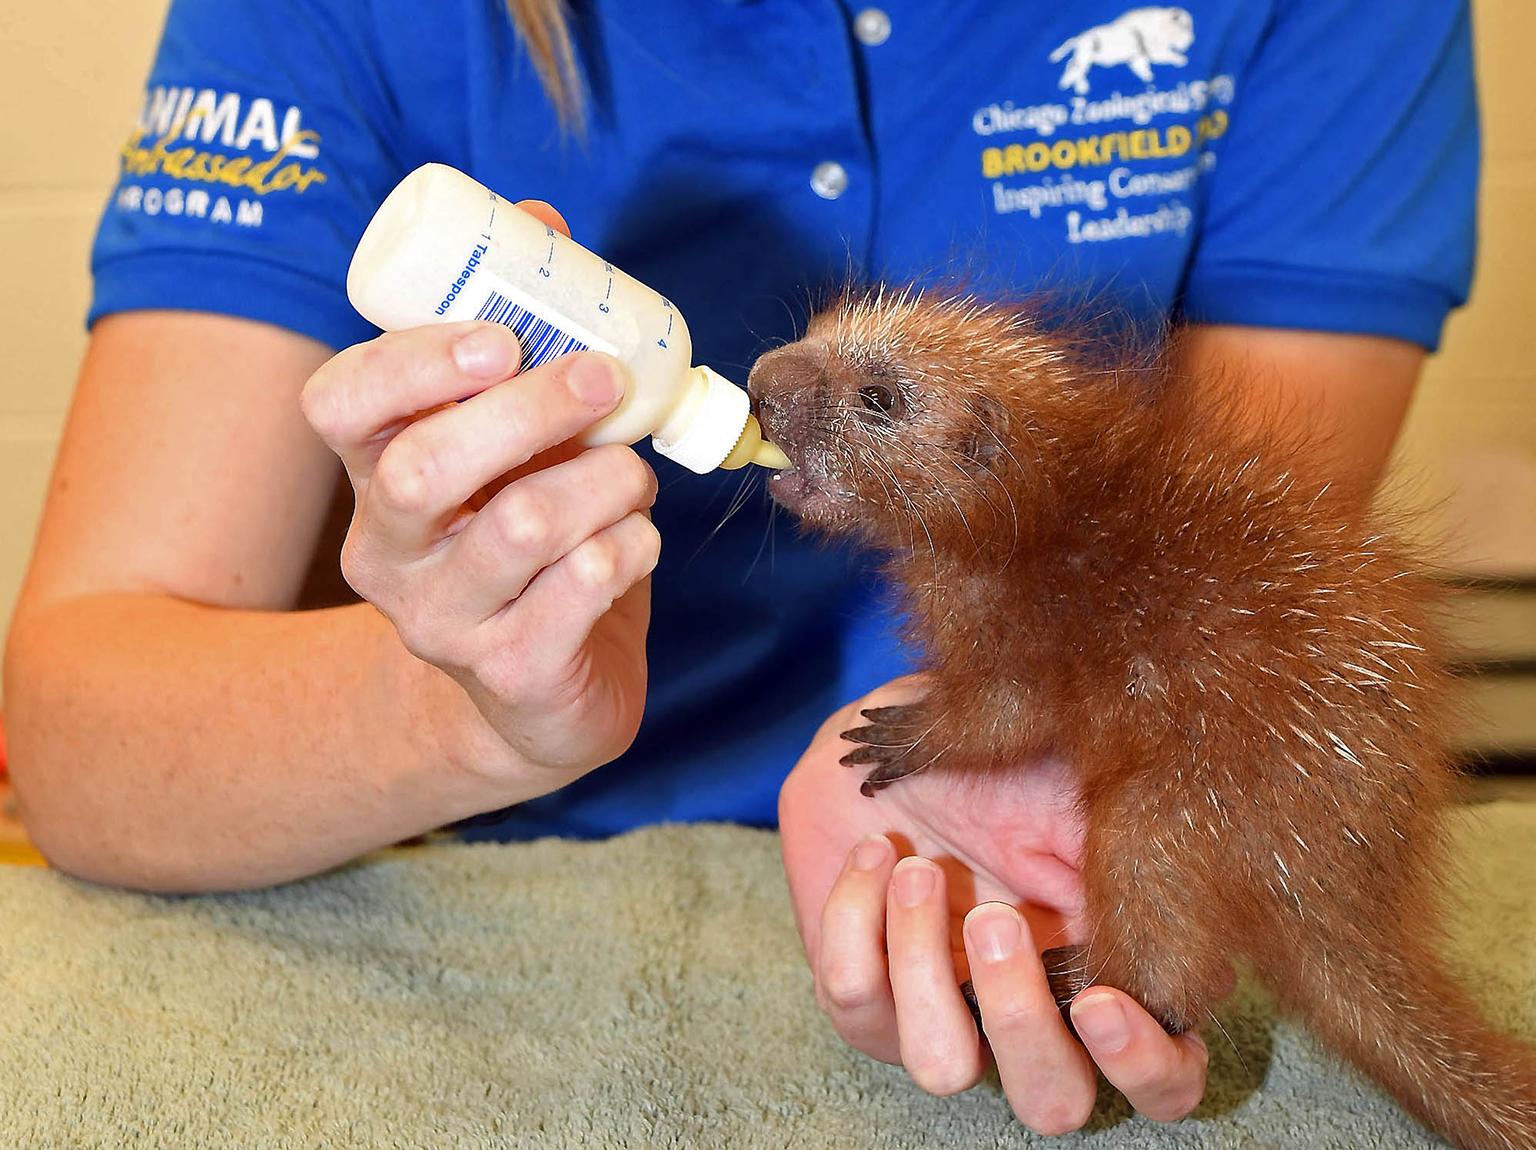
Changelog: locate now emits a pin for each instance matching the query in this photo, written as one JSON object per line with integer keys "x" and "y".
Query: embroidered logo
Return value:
{"x": 1111, "y": 165}
{"x": 1140, "y": 38}
{"x": 224, "y": 153}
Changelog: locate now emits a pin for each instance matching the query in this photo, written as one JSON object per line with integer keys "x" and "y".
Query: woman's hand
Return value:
{"x": 890, "y": 941}
{"x": 503, "y": 554}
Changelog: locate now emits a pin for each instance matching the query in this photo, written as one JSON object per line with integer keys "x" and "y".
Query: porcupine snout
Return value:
{"x": 786, "y": 384}
{"x": 796, "y": 392}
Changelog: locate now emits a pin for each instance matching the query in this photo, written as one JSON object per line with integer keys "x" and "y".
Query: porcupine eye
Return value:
{"x": 878, "y": 398}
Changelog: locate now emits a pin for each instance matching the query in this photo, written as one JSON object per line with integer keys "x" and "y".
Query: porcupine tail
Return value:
{"x": 1397, "y": 1014}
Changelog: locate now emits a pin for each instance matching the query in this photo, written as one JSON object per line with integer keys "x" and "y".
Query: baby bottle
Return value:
{"x": 443, "y": 248}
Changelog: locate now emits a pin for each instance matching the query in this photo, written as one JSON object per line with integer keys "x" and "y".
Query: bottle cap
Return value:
{"x": 714, "y": 426}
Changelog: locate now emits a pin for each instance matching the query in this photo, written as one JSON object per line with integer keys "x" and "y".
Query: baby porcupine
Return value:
{"x": 1104, "y": 565}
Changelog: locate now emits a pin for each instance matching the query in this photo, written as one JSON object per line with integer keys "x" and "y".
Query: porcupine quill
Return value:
{"x": 1108, "y": 566}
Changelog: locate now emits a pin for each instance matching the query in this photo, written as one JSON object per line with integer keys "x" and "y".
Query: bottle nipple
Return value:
{"x": 753, "y": 448}
{"x": 712, "y": 413}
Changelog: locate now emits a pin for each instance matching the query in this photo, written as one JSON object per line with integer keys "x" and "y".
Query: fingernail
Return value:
{"x": 870, "y": 853}
{"x": 1101, "y": 1020}
{"x": 488, "y": 350}
{"x": 592, "y": 380}
{"x": 914, "y": 881}
{"x": 994, "y": 931}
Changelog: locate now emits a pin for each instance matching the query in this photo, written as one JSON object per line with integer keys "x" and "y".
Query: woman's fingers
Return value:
{"x": 535, "y": 521}
{"x": 1162, "y": 1076}
{"x": 1047, "y": 1074}
{"x": 370, "y": 390}
{"x": 366, "y": 398}
{"x": 431, "y": 468}
{"x": 557, "y": 612}
{"x": 939, "y": 1044}
{"x": 1044, "y": 1071}
{"x": 853, "y": 985}
{"x": 426, "y": 420}
{"x": 890, "y": 988}
{"x": 545, "y": 213}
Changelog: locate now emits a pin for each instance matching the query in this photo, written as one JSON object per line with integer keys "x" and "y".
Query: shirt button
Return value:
{"x": 829, "y": 179}
{"x": 872, "y": 26}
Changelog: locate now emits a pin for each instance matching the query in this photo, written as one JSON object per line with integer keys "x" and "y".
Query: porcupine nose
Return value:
{"x": 782, "y": 384}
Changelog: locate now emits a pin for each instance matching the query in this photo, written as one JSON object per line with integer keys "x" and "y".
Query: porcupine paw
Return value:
{"x": 1070, "y": 970}
{"x": 890, "y": 742}
{"x": 1066, "y": 974}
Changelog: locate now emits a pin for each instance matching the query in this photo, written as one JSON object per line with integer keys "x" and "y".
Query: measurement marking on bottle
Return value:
{"x": 542, "y": 330}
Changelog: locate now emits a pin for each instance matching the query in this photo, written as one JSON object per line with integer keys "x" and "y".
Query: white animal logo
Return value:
{"x": 1139, "y": 39}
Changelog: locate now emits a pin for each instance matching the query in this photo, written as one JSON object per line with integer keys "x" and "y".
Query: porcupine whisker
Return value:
{"x": 1012, "y": 507}
{"x": 766, "y": 542}
{"x": 914, "y": 449}
{"x": 910, "y": 542}
{"x": 965, "y": 474}
{"x": 916, "y": 512}
{"x": 884, "y": 431}
{"x": 878, "y": 466}
{"x": 916, "y": 458}
{"x": 737, "y": 501}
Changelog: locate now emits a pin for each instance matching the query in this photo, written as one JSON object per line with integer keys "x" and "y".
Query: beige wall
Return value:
{"x": 70, "y": 77}
{"x": 71, "y": 74}
{"x": 1471, "y": 438}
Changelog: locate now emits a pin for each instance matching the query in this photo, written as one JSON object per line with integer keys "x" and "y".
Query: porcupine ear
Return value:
{"x": 984, "y": 444}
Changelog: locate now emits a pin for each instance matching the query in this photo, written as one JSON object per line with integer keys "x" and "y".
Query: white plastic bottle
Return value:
{"x": 444, "y": 248}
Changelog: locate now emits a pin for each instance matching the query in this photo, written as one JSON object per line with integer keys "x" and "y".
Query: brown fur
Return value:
{"x": 1106, "y": 565}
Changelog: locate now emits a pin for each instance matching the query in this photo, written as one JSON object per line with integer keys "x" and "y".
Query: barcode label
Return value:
{"x": 541, "y": 340}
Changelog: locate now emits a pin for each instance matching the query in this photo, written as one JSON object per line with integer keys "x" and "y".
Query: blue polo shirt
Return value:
{"x": 1291, "y": 163}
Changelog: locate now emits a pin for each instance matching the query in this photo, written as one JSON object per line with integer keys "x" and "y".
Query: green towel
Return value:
{"x": 648, "y": 991}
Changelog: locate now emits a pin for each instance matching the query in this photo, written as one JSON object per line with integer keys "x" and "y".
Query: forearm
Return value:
{"x": 162, "y": 744}
{"x": 1347, "y": 393}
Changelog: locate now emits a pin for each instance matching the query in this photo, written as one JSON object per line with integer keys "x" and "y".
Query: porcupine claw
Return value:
{"x": 889, "y": 739}
{"x": 1065, "y": 974}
